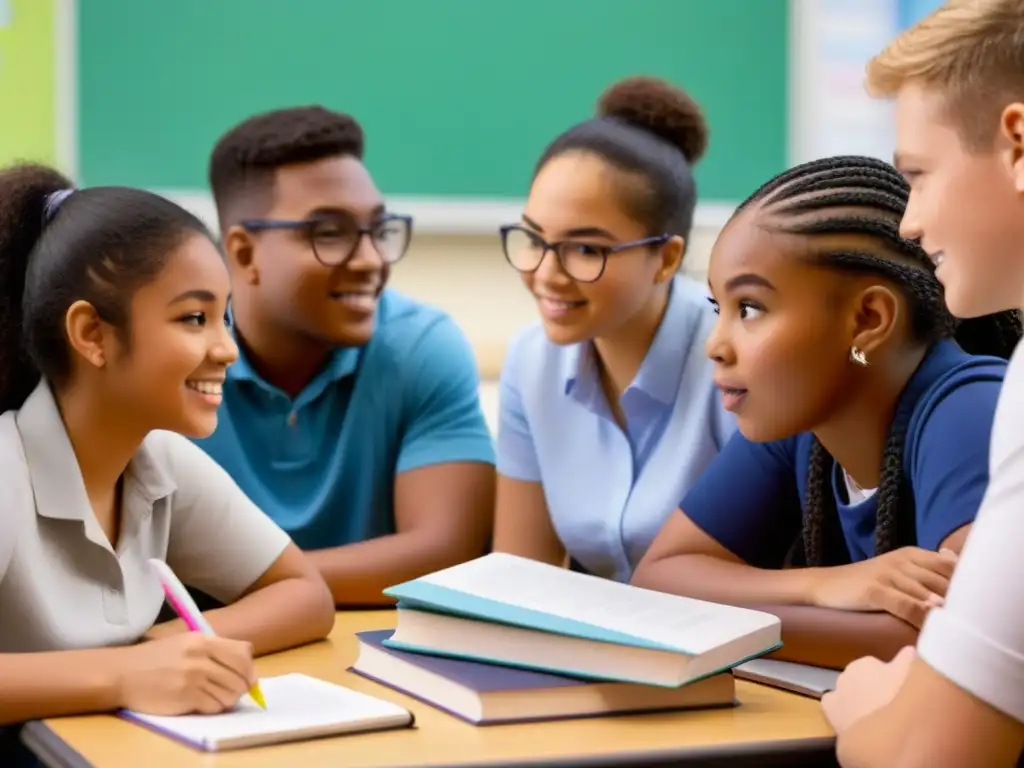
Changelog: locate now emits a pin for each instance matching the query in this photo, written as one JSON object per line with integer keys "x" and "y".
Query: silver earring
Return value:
{"x": 858, "y": 356}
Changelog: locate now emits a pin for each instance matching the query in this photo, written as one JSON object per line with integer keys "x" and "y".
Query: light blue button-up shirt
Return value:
{"x": 609, "y": 490}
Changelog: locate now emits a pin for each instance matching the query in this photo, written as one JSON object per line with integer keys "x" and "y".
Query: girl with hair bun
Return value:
{"x": 608, "y": 411}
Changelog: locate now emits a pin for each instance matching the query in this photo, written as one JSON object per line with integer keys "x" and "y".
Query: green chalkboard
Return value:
{"x": 458, "y": 97}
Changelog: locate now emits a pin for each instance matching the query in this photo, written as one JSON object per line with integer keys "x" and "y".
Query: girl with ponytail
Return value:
{"x": 113, "y": 344}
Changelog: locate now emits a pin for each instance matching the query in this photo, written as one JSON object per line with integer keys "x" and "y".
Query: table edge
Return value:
{"x": 50, "y": 748}
{"x": 54, "y": 752}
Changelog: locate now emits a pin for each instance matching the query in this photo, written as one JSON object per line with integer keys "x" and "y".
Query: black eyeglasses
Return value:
{"x": 334, "y": 239}
{"x": 585, "y": 262}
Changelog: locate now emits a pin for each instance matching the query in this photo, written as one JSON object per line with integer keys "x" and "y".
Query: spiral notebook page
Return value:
{"x": 298, "y": 707}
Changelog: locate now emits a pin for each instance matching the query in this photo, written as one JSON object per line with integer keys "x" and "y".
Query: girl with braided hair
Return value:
{"x": 865, "y": 412}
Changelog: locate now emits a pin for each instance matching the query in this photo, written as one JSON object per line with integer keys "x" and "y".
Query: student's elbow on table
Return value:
{"x": 678, "y": 545}
{"x": 645, "y": 574}
{"x": 320, "y": 602}
{"x": 671, "y": 573}
{"x": 323, "y": 606}
{"x": 320, "y": 597}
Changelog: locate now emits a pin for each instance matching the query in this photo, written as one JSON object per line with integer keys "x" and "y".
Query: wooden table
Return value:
{"x": 770, "y": 727}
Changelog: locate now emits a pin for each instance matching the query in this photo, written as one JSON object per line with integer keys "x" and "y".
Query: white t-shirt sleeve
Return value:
{"x": 977, "y": 639}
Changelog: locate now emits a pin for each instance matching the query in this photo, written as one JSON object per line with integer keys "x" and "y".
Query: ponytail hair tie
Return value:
{"x": 53, "y": 202}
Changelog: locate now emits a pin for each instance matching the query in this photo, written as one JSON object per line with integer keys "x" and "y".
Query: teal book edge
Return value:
{"x": 421, "y": 595}
{"x": 565, "y": 671}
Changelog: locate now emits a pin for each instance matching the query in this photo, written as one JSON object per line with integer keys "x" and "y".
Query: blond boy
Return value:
{"x": 957, "y": 78}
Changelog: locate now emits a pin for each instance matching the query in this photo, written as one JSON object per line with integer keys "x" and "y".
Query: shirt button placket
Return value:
{"x": 115, "y": 601}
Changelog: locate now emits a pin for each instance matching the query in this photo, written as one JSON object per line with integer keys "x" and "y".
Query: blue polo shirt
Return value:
{"x": 323, "y": 465}
{"x": 751, "y": 499}
{"x": 609, "y": 490}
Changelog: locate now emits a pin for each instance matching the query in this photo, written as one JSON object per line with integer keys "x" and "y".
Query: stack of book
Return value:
{"x": 506, "y": 639}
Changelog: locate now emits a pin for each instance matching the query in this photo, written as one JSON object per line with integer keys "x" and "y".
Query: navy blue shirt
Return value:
{"x": 751, "y": 499}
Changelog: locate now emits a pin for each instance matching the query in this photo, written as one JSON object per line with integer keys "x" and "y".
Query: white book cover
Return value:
{"x": 508, "y": 589}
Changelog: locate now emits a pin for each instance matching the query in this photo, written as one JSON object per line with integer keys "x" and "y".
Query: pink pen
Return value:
{"x": 183, "y": 604}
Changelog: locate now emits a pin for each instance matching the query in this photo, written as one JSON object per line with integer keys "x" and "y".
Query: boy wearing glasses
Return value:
{"x": 352, "y": 417}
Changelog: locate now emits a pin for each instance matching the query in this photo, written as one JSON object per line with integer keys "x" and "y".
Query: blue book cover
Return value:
{"x": 484, "y": 678}
{"x": 475, "y": 675}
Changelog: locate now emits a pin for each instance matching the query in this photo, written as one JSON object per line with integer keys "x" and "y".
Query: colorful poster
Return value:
{"x": 27, "y": 81}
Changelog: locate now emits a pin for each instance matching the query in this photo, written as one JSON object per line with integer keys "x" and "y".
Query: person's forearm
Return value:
{"x": 721, "y": 581}
{"x": 38, "y": 685}
{"x": 358, "y": 573}
{"x": 829, "y": 638}
{"x": 534, "y": 550}
{"x": 885, "y": 739}
{"x": 874, "y": 742}
{"x": 931, "y": 723}
{"x": 811, "y": 635}
{"x": 282, "y": 615}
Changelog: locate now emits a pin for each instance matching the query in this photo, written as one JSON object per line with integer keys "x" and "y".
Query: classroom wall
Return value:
{"x": 442, "y": 121}
{"x": 460, "y": 268}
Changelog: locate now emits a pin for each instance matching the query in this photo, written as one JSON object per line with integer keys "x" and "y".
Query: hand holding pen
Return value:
{"x": 192, "y": 672}
{"x": 183, "y": 604}
{"x": 184, "y": 674}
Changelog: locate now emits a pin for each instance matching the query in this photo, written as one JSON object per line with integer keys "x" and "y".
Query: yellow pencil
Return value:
{"x": 257, "y": 695}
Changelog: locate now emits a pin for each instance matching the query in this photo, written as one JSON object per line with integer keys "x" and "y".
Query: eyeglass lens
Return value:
{"x": 336, "y": 239}
{"x": 525, "y": 250}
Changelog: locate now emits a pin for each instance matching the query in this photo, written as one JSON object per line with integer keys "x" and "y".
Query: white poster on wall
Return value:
{"x": 833, "y": 113}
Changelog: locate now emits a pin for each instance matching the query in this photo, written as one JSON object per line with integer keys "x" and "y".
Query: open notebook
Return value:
{"x": 298, "y": 707}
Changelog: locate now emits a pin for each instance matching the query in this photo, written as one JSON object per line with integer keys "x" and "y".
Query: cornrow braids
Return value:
{"x": 862, "y": 196}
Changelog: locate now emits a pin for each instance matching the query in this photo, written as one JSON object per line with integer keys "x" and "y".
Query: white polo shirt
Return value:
{"x": 977, "y": 639}
{"x": 62, "y": 585}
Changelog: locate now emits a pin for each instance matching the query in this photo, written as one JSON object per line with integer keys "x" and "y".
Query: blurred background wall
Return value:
{"x": 458, "y": 99}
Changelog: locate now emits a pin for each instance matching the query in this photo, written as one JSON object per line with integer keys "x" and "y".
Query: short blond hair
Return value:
{"x": 970, "y": 51}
